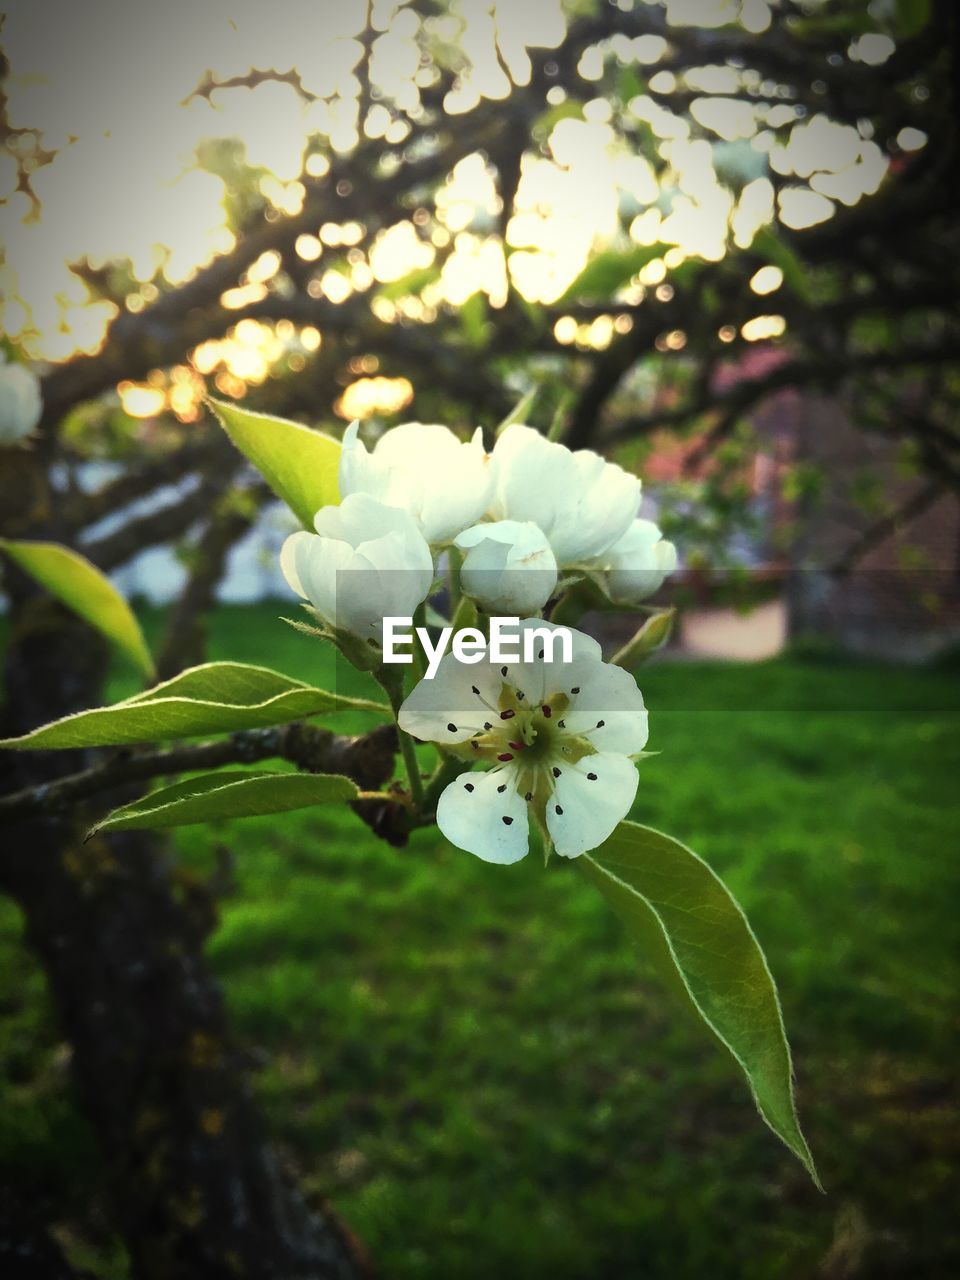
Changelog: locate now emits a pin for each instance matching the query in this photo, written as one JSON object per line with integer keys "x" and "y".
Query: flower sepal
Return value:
{"x": 646, "y": 641}
{"x": 365, "y": 655}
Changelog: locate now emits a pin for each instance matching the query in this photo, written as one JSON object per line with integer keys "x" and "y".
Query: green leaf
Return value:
{"x": 219, "y": 697}
{"x": 671, "y": 900}
{"x": 606, "y": 272}
{"x": 299, "y": 465}
{"x": 473, "y": 316}
{"x": 465, "y": 615}
{"x": 519, "y": 411}
{"x": 83, "y": 588}
{"x": 229, "y": 793}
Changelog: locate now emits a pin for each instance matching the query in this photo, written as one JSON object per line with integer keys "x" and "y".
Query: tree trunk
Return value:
{"x": 198, "y": 1193}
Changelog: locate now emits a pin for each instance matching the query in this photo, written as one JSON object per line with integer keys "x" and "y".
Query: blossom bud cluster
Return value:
{"x": 523, "y": 519}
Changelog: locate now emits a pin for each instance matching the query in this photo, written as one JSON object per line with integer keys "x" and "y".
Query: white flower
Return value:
{"x": 444, "y": 483}
{"x": 637, "y": 564}
{"x": 581, "y": 502}
{"x": 367, "y": 561}
{"x": 509, "y": 567}
{"x": 560, "y": 738}
{"x": 20, "y": 402}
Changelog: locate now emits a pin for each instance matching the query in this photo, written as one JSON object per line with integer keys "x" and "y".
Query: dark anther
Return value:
{"x": 452, "y": 728}
{"x": 506, "y": 820}
{"x": 502, "y": 787}
{"x": 468, "y": 786}
{"x": 505, "y": 757}
{"x": 601, "y": 723}
{"x": 507, "y": 715}
{"x": 591, "y": 777}
{"x": 576, "y": 690}
{"x": 557, "y": 809}
{"x": 556, "y": 772}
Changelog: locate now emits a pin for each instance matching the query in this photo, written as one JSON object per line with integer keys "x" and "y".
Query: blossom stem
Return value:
{"x": 570, "y": 607}
{"x": 454, "y": 561}
{"x": 419, "y": 657}
{"x": 392, "y": 683}
{"x": 448, "y": 768}
{"x": 409, "y": 753}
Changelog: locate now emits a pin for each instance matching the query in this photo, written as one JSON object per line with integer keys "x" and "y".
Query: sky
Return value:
{"x": 109, "y": 85}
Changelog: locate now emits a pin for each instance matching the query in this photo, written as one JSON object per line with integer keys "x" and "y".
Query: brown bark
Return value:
{"x": 197, "y": 1190}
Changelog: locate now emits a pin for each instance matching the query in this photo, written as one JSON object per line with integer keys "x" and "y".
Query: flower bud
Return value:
{"x": 635, "y": 566}
{"x": 508, "y": 568}
{"x": 367, "y": 561}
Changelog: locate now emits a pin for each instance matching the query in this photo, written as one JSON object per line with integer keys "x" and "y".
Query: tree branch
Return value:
{"x": 877, "y": 533}
{"x": 368, "y": 760}
{"x": 184, "y": 643}
{"x": 86, "y": 508}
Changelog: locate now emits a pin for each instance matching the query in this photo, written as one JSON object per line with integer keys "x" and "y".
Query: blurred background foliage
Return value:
{"x": 660, "y": 215}
{"x": 719, "y": 239}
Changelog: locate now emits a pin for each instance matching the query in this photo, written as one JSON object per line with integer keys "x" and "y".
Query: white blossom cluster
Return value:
{"x": 525, "y": 517}
{"x": 527, "y": 520}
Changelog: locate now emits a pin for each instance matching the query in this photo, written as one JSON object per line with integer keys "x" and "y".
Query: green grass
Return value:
{"x": 471, "y": 1063}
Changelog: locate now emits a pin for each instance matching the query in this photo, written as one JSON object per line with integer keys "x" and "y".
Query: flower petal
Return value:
{"x": 289, "y": 555}
{"x": 601, "y": 508}
{"x": 581, "y": 502}
{"x": 424, "y": 468}
{"x": 532, "y": 475}
{"x": 312, "y": 566}
{"x": 589, "y": 799}
{"x": 539, "y": 679}
{"x": 360, "y": 519}
{"x": 606, "y": 707}
{"x": 458, "y": 702}
{"x": 484, "y": 814}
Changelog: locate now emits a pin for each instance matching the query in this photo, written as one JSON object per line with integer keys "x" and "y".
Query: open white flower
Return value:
{"x": 560, "y": 738}
{"x": 443, "y": 482}
{"x": 582, "y": 503}
{"x": 367, "y": 561}
{"x": 508, "y": 568}
{"x": 637, "y": 564}
{"x": 20, "y": 402}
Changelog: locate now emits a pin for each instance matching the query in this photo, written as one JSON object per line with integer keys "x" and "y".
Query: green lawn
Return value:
{"x": 470, "y": 1062}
